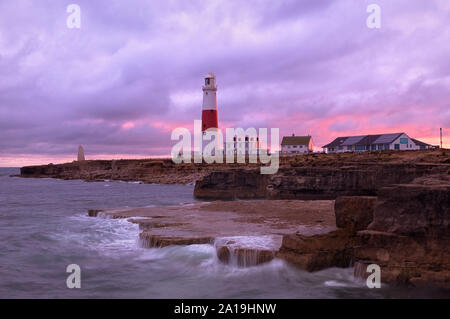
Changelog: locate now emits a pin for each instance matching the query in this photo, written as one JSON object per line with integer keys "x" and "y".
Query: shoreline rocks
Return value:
{"x": 148, "y": 240}
{"x": 313, "y": 253}
{"x": 354, "y": 213}
{"x": 311, "y": 183}
{"x": 311, "y": 176}
{"x": 336, "y": 248}
{"x": 94, "y": 212}
{"x": 405, "y": 230}
{"x": 159, "y": 171}
{"x": 391, "y": 209}
{"x": 244, "y": 233}
{"x": 409, "y": 236}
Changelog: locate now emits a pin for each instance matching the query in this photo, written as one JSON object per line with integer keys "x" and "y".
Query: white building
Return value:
{"x": 242, "y": 145}
{"x": 292, "y": 145}
{"x": 361, "y": 143}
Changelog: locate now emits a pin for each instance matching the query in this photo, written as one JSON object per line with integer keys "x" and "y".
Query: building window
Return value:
{"x": 396, "y": 146}
{"x": 349, "y": 147}
{"x": 380, "y": 147}
{"x": 207, "y": 81}
{"x": 340, "y": 148}
{"x": 386, "y": 147}
{"x": 374, "y": 147}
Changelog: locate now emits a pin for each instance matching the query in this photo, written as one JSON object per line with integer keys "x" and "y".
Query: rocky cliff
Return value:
{"x": 324, "y": 176}
{"x": 313, "y": 176}
{"x": 410, "y": 233}
{"x": 162, "y": 171}
{"x": 405, "y": 230}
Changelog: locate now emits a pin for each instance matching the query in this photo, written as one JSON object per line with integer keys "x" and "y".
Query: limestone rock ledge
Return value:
{"x": 336, "y": 248}
{"x": 354, "y": 212}
{"x": 410, "y": 234}
{"x": 417, "y": 261}
{"x": 244, "y": 233}
{"x": 161, "y": 171}
{"x": 158, "y": 241}
{"x": 318, "y": 252}
{"x": 405, "y": 231}
{"x": 324, "y": 176}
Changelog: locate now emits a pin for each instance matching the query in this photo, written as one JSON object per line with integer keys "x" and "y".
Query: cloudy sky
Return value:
{"x": 134, "y": 71}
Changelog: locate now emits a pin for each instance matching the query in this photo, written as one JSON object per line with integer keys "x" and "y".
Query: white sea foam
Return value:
{"x": 103, "y": 215}
{"x": 111, "y": 237}
{"x": 334, "y": 283}
{"x": 256, "y": 242}
{"x": 202, "y": 261}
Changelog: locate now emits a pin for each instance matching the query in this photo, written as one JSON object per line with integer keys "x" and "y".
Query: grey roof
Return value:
{"x": 337, "y": 142}
{"x": 351, "y": 140}
{"x": 387, "y": 138}
{"x": 363, "y": 140}
{"x": 295, "y": 140}
{"x": 368, "y": 140}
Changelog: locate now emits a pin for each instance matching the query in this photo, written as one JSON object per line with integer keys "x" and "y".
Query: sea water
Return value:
{"x": 44, "y": 228}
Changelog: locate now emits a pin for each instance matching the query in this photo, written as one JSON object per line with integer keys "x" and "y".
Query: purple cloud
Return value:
{"x": 134, "y": 71}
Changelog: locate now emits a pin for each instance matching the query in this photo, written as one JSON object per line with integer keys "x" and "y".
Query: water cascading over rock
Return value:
{"x": 247, "y": 251}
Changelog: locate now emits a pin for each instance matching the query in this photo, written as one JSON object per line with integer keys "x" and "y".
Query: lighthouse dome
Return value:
{"x": 210, "y": 75}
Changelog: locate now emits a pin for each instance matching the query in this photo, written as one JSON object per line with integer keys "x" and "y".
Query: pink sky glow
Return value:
{"x": 134, "y": 71}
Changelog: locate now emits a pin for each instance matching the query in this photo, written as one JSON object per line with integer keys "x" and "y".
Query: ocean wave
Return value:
{"x": 112, "y": 237}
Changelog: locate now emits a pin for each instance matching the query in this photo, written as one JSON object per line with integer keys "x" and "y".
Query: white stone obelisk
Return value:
{"x": 80, "y": 154}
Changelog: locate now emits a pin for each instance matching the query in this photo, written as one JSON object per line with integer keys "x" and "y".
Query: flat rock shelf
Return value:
{"x": 245, "y": 233}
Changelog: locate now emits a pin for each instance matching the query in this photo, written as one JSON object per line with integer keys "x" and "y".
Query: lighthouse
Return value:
{"x": 209, "y": 109}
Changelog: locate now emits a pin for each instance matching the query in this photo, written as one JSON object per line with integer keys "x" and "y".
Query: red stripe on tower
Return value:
{"x": 209, "y": 109}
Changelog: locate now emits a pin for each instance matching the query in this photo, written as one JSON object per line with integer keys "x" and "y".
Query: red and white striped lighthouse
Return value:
{"x": 209, "y": 109}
